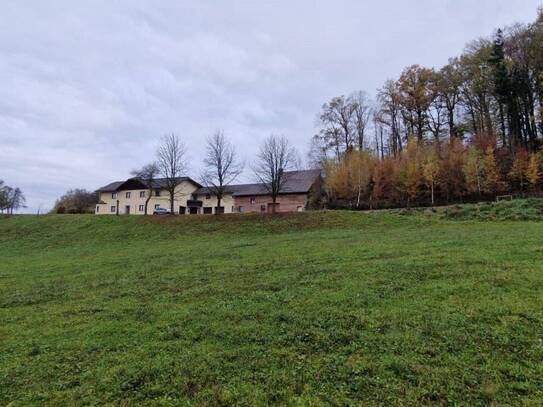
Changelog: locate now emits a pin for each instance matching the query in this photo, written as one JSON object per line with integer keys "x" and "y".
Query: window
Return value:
{"x": 142, "y": 194}
{"x": 142, "y": 208}
{"x": 262, "y": 208}
{"x": 128, "y": 195}
{"x": 157, "y": 206}
{"x": 240, "y": 209}
{"x": 233, "y": 209}
{"x": 114, "y": 195}
{"x": 97, "y": 208}
{"x": 253, "y": 199}
{"x": 219, "y": 209}
{"x": 208, "y": 210}
{"x": 194, "y": 197}
{"x": 157, "y": 193}
{"x": 208, "y": 196}
{"x": 113, "y": 209}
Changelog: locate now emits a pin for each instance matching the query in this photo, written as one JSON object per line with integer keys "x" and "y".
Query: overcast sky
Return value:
{"x": 89, "y": 87}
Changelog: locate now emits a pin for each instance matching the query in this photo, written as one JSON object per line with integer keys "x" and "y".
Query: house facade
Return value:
{"x": 301, "y": 190}
{"x": 129, "y": 197}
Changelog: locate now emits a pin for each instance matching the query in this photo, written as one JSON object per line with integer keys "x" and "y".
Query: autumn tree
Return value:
{"x": 451, "y": 178}
{"x": 491, "y": 175}
{"x": 411, "y": 171}
{"x": 517, "y": 173}
{"x": 474, "y": 170}
{"x": 416, "y": 85}
{"x": 385, "y": 181}
{"x": 533, "y": 171}
{"x": 430, "y": 170}
{"x": 350, "y": 178}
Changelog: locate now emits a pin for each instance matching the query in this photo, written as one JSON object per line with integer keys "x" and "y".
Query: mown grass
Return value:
{"x": 322, "y": 308}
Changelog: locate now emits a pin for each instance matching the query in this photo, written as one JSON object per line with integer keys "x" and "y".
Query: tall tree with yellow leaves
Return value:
{"x": 517, "y": 174}
{"x": 430, "y": 169}
{"x": 533, "y": 171}
{"x": 474, "y": 170}
{"x": 411, "y": 173}
{"x": 491, "y": 179}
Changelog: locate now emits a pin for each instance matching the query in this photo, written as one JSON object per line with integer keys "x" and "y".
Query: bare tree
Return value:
{"x": 3, "y": 197}
{"x": 362, "y": 115}
{"x": 147, "y": 174}
{"x": 274, "y": 158}
{"x": 11, "y": 199}
{"x": 171, "y": 161}
{"x": 378, "y": 132}
{"x": 317, "y": 155}
{"x": 221, "y": 166}
{"x": 389, "y": 114}
{"x": 337, "y": 119}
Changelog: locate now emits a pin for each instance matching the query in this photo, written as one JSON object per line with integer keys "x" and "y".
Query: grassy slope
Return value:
{"x": 314, "y": 308}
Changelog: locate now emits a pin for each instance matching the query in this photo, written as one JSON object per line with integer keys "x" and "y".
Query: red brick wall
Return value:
{"x": 287, "y": 203}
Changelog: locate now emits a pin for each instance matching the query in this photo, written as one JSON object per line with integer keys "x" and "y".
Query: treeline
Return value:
{"x": 11, "y": 199}
{"x": 432, "y": 173}
{"x": 469, "y": 130}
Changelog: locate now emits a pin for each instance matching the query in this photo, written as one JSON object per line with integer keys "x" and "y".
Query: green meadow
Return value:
{"x": 392, "y": 308}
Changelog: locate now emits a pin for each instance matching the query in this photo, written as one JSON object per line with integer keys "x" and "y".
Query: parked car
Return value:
{"x": 161, "y": 211}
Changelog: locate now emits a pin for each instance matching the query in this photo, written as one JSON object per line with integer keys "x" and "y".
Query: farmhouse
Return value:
{"x": 301, "y": 190}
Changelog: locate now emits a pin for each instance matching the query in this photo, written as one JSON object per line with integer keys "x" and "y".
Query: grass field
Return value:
{"x": 323, "y": 308}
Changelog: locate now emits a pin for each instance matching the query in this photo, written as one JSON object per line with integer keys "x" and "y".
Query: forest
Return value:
{"x": 471, "y": 130}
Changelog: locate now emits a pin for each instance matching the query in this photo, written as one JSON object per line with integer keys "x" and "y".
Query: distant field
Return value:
{"x": 324, "y": 308}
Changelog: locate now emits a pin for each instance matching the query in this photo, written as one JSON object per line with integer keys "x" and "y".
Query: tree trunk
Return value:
{"x": 218, "y": 208}
{"x": 502, "y": 123}
{"x": 274, "y": 198}
{"x": 172, "y": 195}
{"x": 147, "y": 200}
{"x": 451, "y": 125}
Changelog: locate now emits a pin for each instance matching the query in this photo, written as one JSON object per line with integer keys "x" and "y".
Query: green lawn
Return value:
{"x": 322, "y": 308}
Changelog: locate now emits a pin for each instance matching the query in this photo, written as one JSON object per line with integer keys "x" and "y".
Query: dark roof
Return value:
{"x": 296, "y": 182}
{"x": 110, "y": 187}
{"x": 137, "y": 183}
